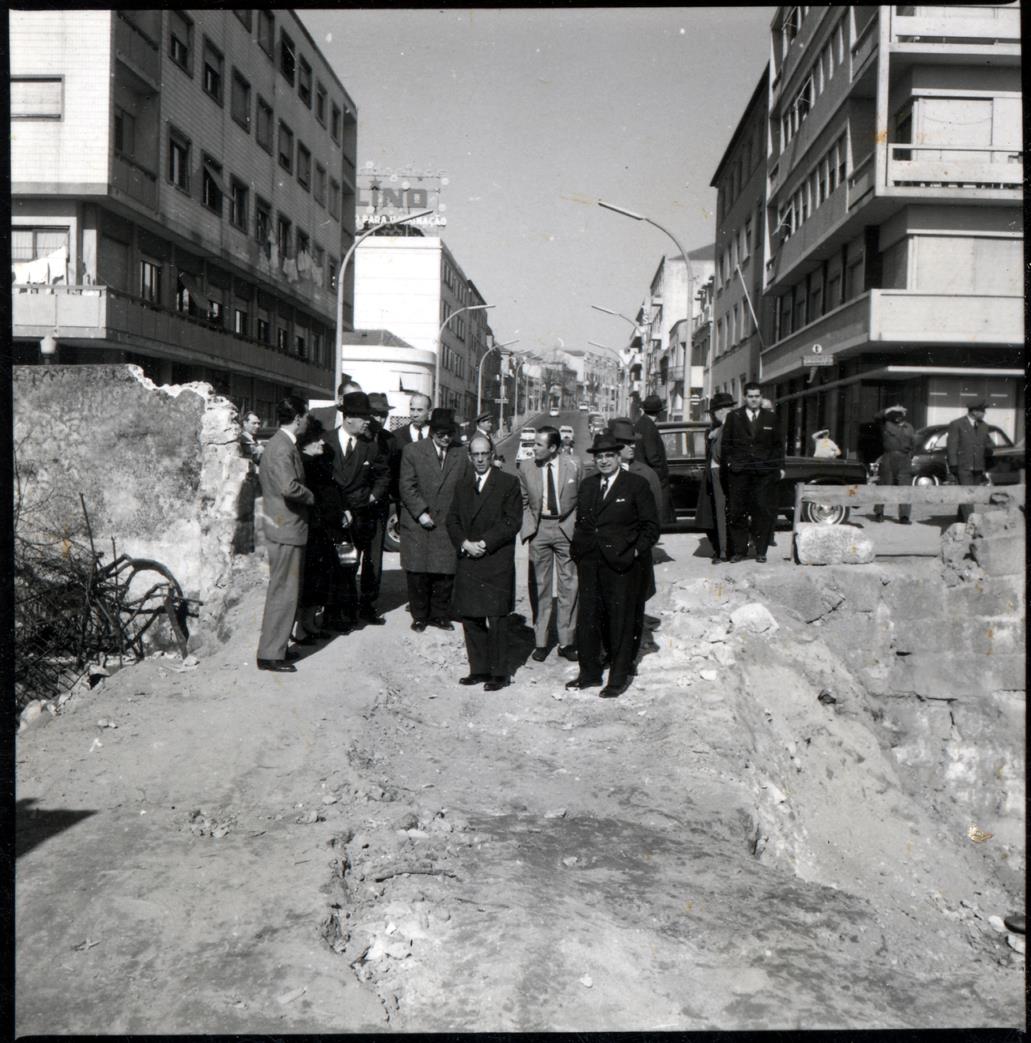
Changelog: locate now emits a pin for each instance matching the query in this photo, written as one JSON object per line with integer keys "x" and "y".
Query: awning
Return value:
{"x": 903, "y": 373}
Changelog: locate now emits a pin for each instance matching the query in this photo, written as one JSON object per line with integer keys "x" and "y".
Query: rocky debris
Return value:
{"x": 754, "y": 618}
{"x": 210, "y": 824}
{"x": 832, "y": 545}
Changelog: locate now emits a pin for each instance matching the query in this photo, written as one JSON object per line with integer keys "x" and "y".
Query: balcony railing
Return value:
{"x": 865, "y": 45}
{"x": 954, "y": 166}
{"x": 861, "y": 180}
{"x": 956, "y": 24}
{"x": 135, "y": 181}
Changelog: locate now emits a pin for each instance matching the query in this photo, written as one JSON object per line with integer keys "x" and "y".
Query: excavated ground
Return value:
{"x": 367, "y": 844}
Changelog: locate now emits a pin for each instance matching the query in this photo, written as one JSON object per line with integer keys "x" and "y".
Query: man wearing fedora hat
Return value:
{"x": 617, "y": 524}
{"x": 653, "y": 452}
{"x": 969, "y": 450}
{"x": 711, "y": 512}
{"x": 361, "y": 477}
{"x": 895, "y": 464}
{"x": 389, "y": 457}
{"x": 430, "y": 472}
{"x": 484, "y": 425}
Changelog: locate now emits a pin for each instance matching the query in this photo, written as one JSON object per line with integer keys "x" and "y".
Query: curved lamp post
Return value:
{"x": 438, "y": 345}
{"x": 343, "y": 268}
{"x": 479, "y": 369}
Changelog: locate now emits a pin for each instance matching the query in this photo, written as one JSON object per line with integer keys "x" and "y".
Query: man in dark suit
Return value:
{"x": 285, "y": 503}
{"x": 361, "y": 476}
{"x": 328, "y": 416}
{"x": 753, "y": 463}
{"x": 653, "y": 452}
{"x": 969, "y": 450}
{"x": 390, "y": 457}
{"x": 418, "y": 426}
{"x": 483, "y": 521}
{"x": 430, "y": 471}
{"x": 617, "y": 524}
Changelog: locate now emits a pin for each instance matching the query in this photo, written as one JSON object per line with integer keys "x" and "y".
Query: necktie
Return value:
{"x": 350, "y": 449}
{"x": 552, "y": 495}
{"x": 441, "y": 454}
{"x": 605, "y": 483}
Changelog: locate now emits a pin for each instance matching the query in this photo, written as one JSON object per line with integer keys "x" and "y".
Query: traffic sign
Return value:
{"x": 817, "y": 360}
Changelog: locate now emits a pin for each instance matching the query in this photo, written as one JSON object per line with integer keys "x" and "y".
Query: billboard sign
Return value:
{"x": 384, "y": 194}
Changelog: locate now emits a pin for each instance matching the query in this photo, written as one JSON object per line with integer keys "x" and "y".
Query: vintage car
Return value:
{"x": 930, "y": 464}
{"x": 553, "y": 411}
{"x": 685, "y": 452}
{"x": 1009, "y": 465}
{"x": 526, "y": 442}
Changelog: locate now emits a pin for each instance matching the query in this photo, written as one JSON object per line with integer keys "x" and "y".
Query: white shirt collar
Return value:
{"x": 481, "y": 480}
{"x": 290, "y": 435}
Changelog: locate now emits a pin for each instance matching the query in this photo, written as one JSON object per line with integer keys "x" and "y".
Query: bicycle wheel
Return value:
{"x": 151, "y": 593}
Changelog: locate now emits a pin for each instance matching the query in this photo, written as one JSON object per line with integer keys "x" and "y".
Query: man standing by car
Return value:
{"x": 753, "y": 457}
{"x": 969, "y": 450}
{"x": 894, "y": 466}
{"x": 653, "y": 452}
{"x": 711, "y": 512}
{"x": 430, "y": 471}
{"x": 549, "y": 490}
{"x": 482, "y": 522}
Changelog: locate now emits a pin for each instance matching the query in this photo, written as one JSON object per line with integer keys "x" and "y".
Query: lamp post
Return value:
{"x": 479, "y": 369}
{"x": 438, "y": 345}
{"x": 687, "y": 267}
{"x": 343, "y": 268}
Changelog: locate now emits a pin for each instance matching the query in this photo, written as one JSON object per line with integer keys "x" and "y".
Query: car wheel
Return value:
{"x": 824, "y": 513}
{"x": 392, "y": 536}
{"x": 925, "y": 480}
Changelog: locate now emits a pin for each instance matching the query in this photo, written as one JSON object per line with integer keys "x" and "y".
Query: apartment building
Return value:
{"x": 894, "y": 256}
{"x": 182, "y": 194}
{"x": 413, "y": 286}
{"x": 740, "y": 183}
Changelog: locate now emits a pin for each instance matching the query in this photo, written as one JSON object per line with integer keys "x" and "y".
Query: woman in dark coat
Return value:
{"x": 711, "y": 512}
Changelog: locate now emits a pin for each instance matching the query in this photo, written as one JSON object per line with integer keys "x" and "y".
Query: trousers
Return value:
{"x": 429, "y": 595}
{"x": 549, "y": 555}
{"x": 606, "y": 616}
{"x": 285, "y": 567}
{"x": 965, "y": 476}
{"x": 749, "y": 510}
{"x": 894, "y": 468}
{"x": 485, "y": 644}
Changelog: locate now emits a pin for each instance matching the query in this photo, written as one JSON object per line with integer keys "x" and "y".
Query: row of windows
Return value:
{"x": 736, "y": 253}
{"x": 822, "y": 72}
{"x": 750, "y": 156}
{"x": 820, "y": 292}
{"x": 295, "y": 68}
{"x": 733, "y": 328}
{"x": 821, "y": 181}
{"x": 452, "y": 361}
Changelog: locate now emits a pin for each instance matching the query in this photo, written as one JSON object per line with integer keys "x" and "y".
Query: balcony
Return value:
{"x": 884, "y": 318}
{"x": 138, "y": 183}
{"x": 865, "y": 47}
{"x": 952, "y": 167}
{"x": 109, "y": 318}
{"x": 135, "y": 49}
{"x": 956, "y": 24}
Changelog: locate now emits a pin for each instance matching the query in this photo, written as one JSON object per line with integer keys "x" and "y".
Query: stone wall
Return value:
{"x": 159, "y": 467}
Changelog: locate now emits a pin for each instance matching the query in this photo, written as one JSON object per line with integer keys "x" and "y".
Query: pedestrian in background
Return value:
{"x": 548, "y": 490}
{"x": 430, "y": 471}
{"x": 653, "y": 452}
{"x": 969, "y": 450}
{"x": 895, "y": 464}
{"x": 323, "y": 525}
{"x": 389, "y": 455}
{"x": 711, "y": 512}
{"x": 286, "y": 501}
{"x": 249, "y": 445}
{"x": 482, "y": 522}
{"x": 753, "y": 462}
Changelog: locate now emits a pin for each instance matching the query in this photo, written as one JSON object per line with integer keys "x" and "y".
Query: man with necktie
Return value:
{"x": 969, "y": 451}
{"x": 549, "y": 491}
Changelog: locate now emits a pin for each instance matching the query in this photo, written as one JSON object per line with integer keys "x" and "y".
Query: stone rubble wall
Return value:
{"x": 160, "y": 469}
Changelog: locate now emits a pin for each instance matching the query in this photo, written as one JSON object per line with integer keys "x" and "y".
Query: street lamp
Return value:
{"x": 619, "y": 315}
{"x": 687, "y": 267}
{"x": 438, "y": 345}
{"x": 479, "y": 369}
{"x": 343, "y": 268}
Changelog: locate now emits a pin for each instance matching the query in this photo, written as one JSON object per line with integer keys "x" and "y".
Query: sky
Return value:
{"x": 533, "y": 115}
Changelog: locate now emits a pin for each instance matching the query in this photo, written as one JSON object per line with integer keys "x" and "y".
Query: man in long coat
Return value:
{"x": 711, "y": 511}
{"x": 430, "y": 471}
{"x": 969, "y": 450}
{"x": 484, "y": 519}
{"x": 285, "y": 503}
{"x": 653, "y": 452}
{"x": 617, "y": 524}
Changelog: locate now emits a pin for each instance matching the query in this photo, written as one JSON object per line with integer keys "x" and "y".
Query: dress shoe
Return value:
{"x": 442, "y": 624}
{"x": 538, "y": 655}
{"x": 418, "y": 625}
{"x": 735, "y": 558}
{"x": 905, "y": 521}
{"x": 371, "y": 617}
{"x": 761, "y": 558}
{"x": 584, "y": 682}
{"x": 475, "y": 679}
{"x": 308, "y": 639}
{"x": 614, "y": 689}
{"x": 339, "y": 625}
{"x": 569, "y": 652}
{"x": 495, "y": 684}
{"x": 715, "y": 560}
{"x": 292, "y": 657}
{"x": 277, "y": 666}
{"x": 649, "y": 646}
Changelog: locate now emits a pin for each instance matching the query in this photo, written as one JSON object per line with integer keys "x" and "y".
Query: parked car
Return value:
{"x": 528, "y": 432}
{"x": 930, "y": 464}
{"x": 685, "y": 452}
{"x": 553, "y": 411}
{"x": 1009, "y": 466}
{"x": 526, "y": 442}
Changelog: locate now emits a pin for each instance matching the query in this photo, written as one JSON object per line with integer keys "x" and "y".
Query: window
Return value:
{"x": 304, "y": 82}
{"x": 125, "y": 133}
{"x": 286, "y": 147}
{"x": 334, "y": 198}
{"x": 37, "y": 97}
{"x": 300, "y": 346}
{"x": 331, "y": 273}
{"x": 746, "y": 240}
{"x": 245, "y": 19}
{"x": 211, "y": 185}
{"x": 822, "y": 180}
{"x": 179, "y": 161}
{"x": 784, "y": 316}
{"x": 840, "y": 155}
{"x": 319, "y": 187}
{"x": 266, "y": 31}
{"x": 303, "y": 243}
{"x": 320, "y": 103}
{"x": 180, "y": 40}
{"x": 283, "y": 228}
{"x": 241, "y": 322}
{"x": 733, "y": 253}
{"x": 833, "y": 291}
{"x": 263, "y": 330}
{"x": 262, "y": 222}
{"x": 187, "y": 292}
{"x": 213, "y": 66}
{"x": 316, "y": 347}
{"x": 150, "y": 281}
{"x": 240, "y": 102}
{"x": 303, "y": 166}
{"x": 282, "y": 338}
{"x": 334, "y": 123}
{"x": 263, "y": 125}
{"x": 215, "y": 311}
{"x": 238, "y": 204}
{"x": 287, "y": 57}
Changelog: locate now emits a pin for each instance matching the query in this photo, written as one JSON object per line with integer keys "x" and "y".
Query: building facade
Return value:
{"x": 701, "y": 344}
{"x": 182, "y": 193}
{"x": 894, "y": 257}
{"x": 412, "y": 285}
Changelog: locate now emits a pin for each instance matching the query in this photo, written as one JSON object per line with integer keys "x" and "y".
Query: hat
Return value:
{"x": 982, "y": 405}
{"x": 895, "y": 409}
{"x": 485, "y": 416}
{"x": 605, "y": 443}
{"x": 442, "y": 420}
{"x": 622, "y": 428}
{"x": 721, "y": 400}
{"x": 652, "y": 404}
{"x": 379, "y": 403}
{"x": 356, "y": 404}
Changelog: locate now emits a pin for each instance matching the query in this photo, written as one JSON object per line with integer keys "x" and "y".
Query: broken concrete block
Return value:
{"x": 999, "y": 555}
{"x": 755, "y": 618}
{"x": 832, "y": 545}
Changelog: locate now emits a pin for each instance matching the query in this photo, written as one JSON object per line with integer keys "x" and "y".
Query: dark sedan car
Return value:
{"x": 1009, "y": 465}
{"x": 929, "y": 460}
{"x": 685, "y": 452}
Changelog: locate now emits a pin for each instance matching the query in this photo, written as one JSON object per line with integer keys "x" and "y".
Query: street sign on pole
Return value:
{"x": 817, "y": 360}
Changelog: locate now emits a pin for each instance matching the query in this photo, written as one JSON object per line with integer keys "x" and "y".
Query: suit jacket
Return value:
{"x": 621, "y": 528}
{"x": 652, "y": 450}
{"x": 365, "y": 472}
{"x": 403, "y": 436}
{"x": 285, "y": 497}
{"x": 969, "y": 446}
{"x": 751, "y": 448}
{"x": 485, "y": 586}
{"x": 531, "y": 484}
{"x": 389, "y": 450}
{"x": 424, "y": 486}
